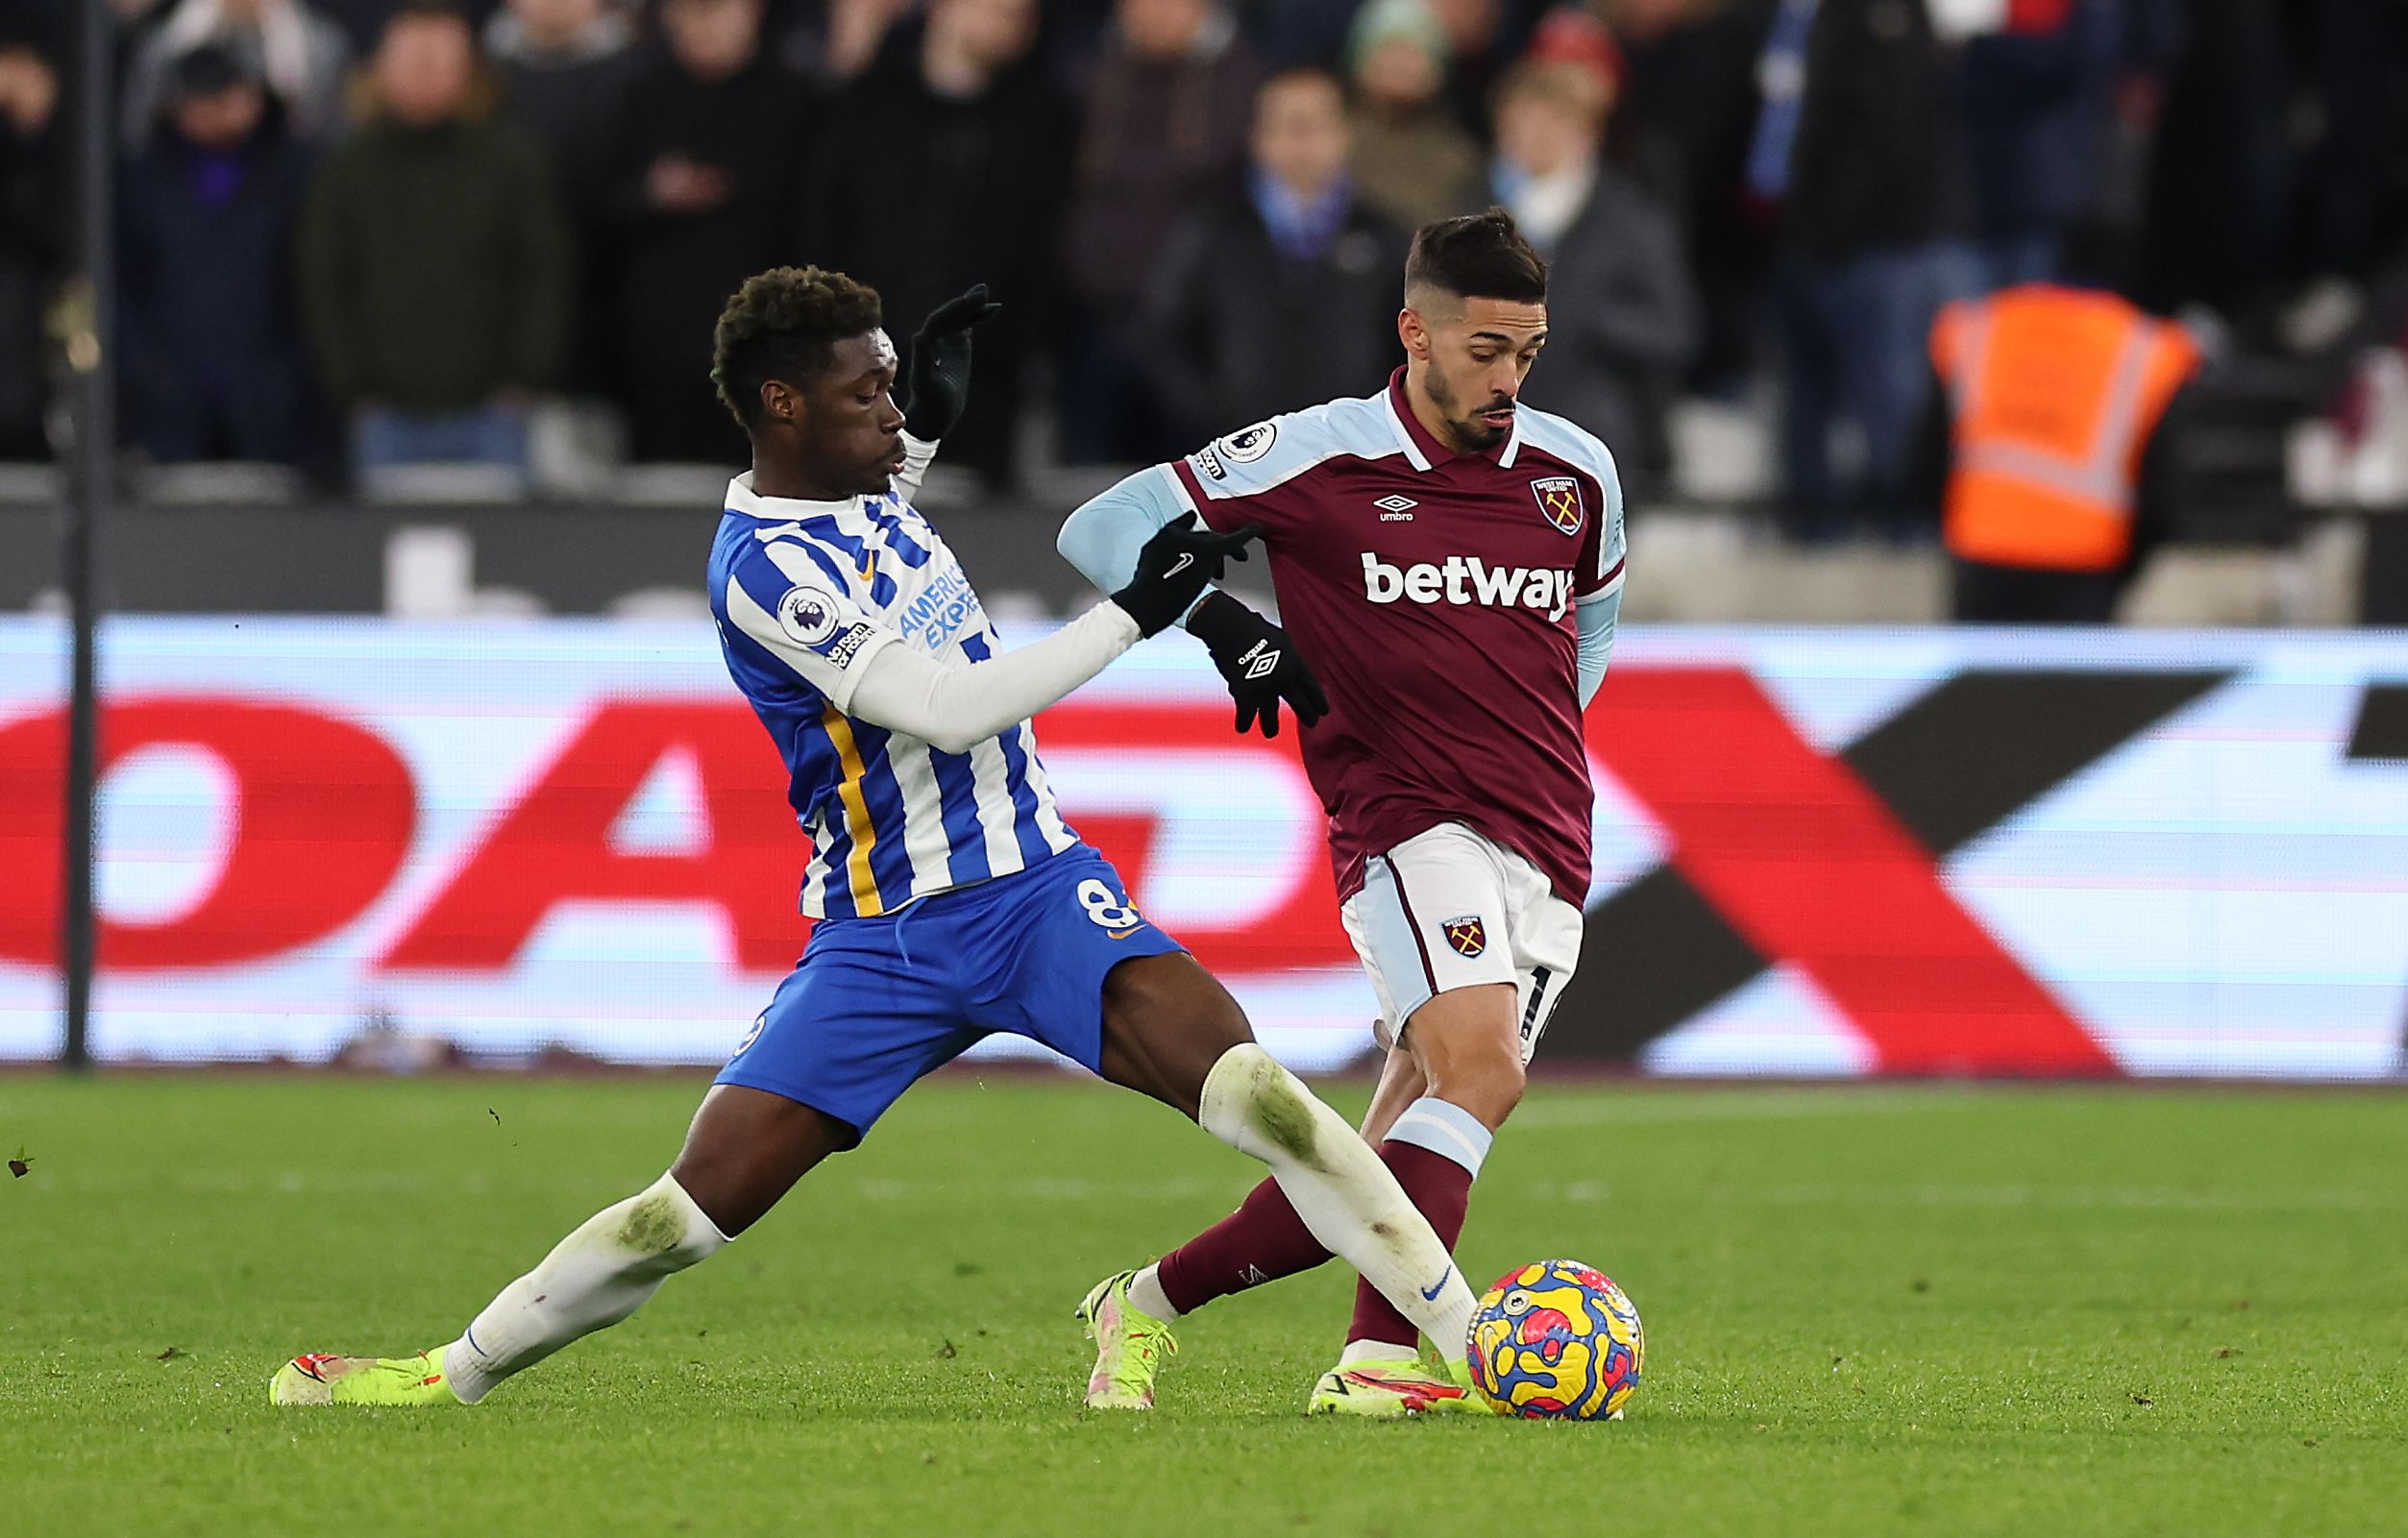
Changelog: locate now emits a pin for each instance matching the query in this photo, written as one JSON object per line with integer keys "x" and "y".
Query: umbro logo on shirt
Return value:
{"x": 1396, "y": 510}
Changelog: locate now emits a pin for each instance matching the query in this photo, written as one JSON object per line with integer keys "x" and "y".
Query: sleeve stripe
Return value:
{"x": 1271, "y": 483}
{"x": 1177, "y": 473}
{"x": 1192, "y": 491}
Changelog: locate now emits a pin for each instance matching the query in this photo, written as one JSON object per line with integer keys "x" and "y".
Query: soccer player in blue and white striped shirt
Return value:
{"x": 953, "y": 900}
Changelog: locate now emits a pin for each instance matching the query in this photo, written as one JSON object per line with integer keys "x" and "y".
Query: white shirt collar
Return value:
{"x": 1408, "y": 441}
{"x": 743, "y": 499}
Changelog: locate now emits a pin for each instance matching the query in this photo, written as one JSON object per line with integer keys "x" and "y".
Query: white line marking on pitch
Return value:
{"x": 1730, "y": 1106}
{"x": 2130, "y": 1198}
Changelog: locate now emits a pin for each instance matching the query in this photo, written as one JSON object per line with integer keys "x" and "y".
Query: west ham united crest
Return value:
{"x": 1468, "y": 935}
{"x": 1559, "y": 499}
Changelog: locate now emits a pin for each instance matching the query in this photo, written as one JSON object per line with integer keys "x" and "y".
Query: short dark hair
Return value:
{"x": 784, "y": 324}
{"x": 1480, "y": 256}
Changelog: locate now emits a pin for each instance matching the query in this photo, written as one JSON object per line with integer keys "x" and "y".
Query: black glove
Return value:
{"x": 1174, "y": 569}
{"x": 1261, "y": 663}
{"x": 937, "y": 373}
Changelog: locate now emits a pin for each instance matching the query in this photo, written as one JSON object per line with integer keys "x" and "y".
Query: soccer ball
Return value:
{"x": 1556, "y": 1340}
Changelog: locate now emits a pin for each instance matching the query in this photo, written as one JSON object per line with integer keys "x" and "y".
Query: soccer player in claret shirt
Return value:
{"x": 854, "y": 634}
{"x": 1451, "y": 561}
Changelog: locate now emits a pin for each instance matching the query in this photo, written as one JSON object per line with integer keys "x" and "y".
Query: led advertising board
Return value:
{"x": 1820, "y": 852}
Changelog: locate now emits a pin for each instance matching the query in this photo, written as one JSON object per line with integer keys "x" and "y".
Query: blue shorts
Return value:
{"x": 879, "y": 1002}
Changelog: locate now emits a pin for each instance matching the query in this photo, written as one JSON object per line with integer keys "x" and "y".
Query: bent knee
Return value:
{"x": 1470, "y": 1059}
{"x": 1487, "y": 1085}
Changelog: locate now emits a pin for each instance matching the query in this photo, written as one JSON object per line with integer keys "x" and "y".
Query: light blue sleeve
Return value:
{"x": 1598, "y": 610}
{"x": 1599, "y": 606}
{"x": 1103, "y": 537}
{"x": 1230, "y": 484}
{"x": 1595, "y": 615}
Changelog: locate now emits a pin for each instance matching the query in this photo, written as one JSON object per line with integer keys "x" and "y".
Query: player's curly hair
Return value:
{"x": 1480, "y": 256}
{"x": 784, "y": 324}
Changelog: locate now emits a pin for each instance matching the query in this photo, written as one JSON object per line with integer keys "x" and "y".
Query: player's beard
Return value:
{"x": 1471, "y": 434}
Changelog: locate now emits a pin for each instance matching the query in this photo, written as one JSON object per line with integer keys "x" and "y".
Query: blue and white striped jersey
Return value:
{"x": 805, "y": 593}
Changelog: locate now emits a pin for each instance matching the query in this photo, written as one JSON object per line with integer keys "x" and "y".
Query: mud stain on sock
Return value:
{"x": 653, "y": 1226}
{"x": 1285, "y": 1115}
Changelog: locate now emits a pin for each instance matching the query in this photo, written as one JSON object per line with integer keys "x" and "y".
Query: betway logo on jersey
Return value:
{"x": 1468, "y": 579}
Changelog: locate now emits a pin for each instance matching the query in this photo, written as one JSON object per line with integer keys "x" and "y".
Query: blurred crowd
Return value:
{"x": 358, "y": 234}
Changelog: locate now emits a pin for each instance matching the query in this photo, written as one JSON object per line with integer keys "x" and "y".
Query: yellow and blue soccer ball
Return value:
{"x": 1556, "y": 1340}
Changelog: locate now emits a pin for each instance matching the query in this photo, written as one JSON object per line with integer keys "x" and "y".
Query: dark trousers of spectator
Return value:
{"x": 664, "y": 306}
{"x": 674, "y": 416}
{"x": 1110, "y": 412}
{"x": 1855, "y": 338}
{"x": 673, "y": 420}
{"x": 2014, "y": 594}
{"x": 23, "y": 359}
{"x": 179, "y": 417}
{"x": 2028, "y": 256}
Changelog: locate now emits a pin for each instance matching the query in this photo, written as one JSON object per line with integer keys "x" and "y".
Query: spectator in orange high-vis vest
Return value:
{"x": 2054, "y": 398}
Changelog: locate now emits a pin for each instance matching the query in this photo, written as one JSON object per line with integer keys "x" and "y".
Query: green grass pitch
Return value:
{"x": 1869, "y": 1311}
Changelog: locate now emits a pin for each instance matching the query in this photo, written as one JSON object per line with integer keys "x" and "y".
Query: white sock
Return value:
{"x": 1337, "y": 1186}
{"x": 1377, "y": 1351}
{"x": 595, "y": 1276}
{"x": 1146, "y": 1294}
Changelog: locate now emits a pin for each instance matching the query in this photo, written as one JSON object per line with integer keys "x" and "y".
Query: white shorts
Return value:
{"x": 1449, "y": 909}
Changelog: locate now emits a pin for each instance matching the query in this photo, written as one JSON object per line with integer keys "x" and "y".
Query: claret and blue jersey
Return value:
{"x": 1456, "y": 606}
{"x": 805, "y": 595}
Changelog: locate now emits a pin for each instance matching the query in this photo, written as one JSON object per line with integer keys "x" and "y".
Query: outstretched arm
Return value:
{"x": 1103, "y": 537}
{"x": 836, "y": 649}
{"x": 956, "y": 707}
{"x": 1256, "y": 658}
